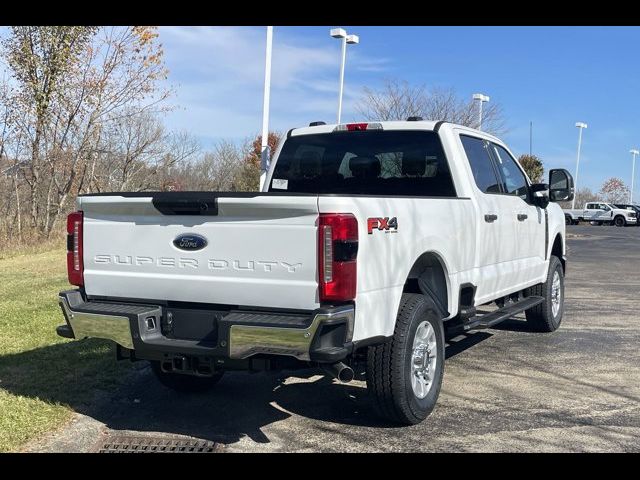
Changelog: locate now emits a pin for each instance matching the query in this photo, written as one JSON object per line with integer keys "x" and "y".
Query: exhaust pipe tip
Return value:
{"x": 340, "y": 371}
{"x": 346, "y": 375}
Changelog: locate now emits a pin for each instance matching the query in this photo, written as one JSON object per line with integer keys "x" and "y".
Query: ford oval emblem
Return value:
{"x": 190, "y": 241}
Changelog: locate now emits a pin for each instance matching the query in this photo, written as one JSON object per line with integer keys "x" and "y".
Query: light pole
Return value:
{"x": 481, "y": 99}
{"x": 580, "y": 126}
{"x": 633, "y": 152}
{"x": 351, "y": 40}
{"x": 264, "y": 149}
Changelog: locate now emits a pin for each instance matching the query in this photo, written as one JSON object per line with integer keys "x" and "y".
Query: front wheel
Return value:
{"x": 546, "y": 316}
{"x": 404, "y": 375}
{"x": 619, "y": 221}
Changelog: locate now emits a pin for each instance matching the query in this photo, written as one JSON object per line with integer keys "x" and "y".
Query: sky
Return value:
{"x": 551, "y": 76}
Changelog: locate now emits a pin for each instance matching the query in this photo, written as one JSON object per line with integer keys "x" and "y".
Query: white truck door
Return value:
{"x": 607, "y": 212}
{"x": 529, "y": 259}
{"x": 496, "y": 242}
{"x": 597, "y": 212}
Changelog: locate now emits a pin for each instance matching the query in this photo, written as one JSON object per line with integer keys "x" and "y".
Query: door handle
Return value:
{"x": 522, "y": 217}
{"x": 490, "y": 217}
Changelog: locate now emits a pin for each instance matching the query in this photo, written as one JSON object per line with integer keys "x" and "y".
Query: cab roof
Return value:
{"x": 427, "y": 125}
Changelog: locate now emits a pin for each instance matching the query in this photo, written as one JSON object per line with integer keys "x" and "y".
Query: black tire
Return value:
{"x": 181, "y": 382}
{"x": 568, "y": 220}
{"x": 620, "y": 221}
{"x": 541, "y": 317}
{"x": 390, "y": 365}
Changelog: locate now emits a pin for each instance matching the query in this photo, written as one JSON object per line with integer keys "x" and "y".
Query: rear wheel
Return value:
{"x": 181, "y": 382}
{"x": 546, "y": 316}
{"x": 404, "y": 375}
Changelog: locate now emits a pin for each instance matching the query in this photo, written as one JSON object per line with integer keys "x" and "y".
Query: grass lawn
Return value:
{"x": 43, "y": 378}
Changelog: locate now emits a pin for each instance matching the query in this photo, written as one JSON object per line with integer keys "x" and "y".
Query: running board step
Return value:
{"x": 490, "y": 319}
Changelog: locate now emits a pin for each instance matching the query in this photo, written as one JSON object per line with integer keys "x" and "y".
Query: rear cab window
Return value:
{"x": 391, "y": 162}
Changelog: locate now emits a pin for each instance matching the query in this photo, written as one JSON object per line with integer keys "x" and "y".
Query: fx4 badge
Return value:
{"x": 382, "y": 223}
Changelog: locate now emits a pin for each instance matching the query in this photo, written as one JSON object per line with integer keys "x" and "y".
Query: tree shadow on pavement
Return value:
{"x": 85, "y": 376}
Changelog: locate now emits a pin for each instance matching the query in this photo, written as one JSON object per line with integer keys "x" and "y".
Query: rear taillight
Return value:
{"x": 75, "y": 267}
{"x": 337, "y": 252}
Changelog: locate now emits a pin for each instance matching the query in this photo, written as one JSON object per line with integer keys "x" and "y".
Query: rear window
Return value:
{"x": 410, "y": 163}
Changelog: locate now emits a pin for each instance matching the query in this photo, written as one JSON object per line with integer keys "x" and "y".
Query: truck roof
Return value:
{"x": 428, "y": 125}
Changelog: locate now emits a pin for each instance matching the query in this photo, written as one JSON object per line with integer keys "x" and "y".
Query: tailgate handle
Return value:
{"x": 186, "y": 206}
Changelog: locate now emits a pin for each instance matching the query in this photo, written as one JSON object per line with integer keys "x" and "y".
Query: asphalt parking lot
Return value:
{"x": 505, "y": 389}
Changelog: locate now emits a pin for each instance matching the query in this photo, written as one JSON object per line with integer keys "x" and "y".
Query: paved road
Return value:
{"x": 506, "y": 389}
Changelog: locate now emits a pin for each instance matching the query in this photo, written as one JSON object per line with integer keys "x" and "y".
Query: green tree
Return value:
{"x": 533, "y": 166}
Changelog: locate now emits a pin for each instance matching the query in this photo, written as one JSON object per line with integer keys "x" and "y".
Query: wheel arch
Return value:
{"x": 429, "y": 276}
{"x": 557, "y": 249}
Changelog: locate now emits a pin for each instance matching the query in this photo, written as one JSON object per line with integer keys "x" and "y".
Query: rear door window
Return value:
{"x": 484, "y": 173}
{"x": 395, "y": 162}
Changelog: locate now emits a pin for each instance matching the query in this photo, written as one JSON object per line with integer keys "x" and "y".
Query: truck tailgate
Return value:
{"x": 260, "y": 251}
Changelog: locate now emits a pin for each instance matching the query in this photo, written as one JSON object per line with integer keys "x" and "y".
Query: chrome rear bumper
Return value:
{"x": 98, "y": 325}
{"x": 240, "y": 334}
{"x": 248, "y": 340}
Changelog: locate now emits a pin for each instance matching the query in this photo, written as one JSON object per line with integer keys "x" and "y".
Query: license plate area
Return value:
{"x": 192, "y": 324}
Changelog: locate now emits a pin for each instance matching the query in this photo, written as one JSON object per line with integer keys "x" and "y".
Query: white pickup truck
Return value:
{"x": 369, "y": 241}
{"x": 601, "y": 213}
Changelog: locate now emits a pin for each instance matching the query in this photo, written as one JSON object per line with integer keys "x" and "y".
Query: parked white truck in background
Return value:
{"x": 368, "y": 242}
{"x": 601, "y": 213}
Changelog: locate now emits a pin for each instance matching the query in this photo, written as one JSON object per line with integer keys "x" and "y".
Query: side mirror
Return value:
{"x": 539, "y": 194}
{"x": 561, "y": 187}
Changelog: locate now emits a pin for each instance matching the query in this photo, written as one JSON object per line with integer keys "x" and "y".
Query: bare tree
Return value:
{"x": 614, "y": 190}
{"x": 583, "y": 196}
{"x": 398, "y": 100}
{"x": 74, "y": 85}
{"x": 215, "y": 170}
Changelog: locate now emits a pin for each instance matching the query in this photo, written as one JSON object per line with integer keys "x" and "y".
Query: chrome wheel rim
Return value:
{"x": 424, "y": 359}
{"x": 556, "y": 294}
